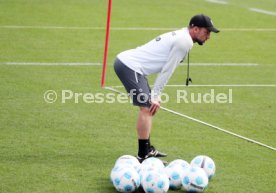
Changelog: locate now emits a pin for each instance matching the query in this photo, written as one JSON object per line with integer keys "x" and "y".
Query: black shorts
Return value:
{"x": 135, "y": 84}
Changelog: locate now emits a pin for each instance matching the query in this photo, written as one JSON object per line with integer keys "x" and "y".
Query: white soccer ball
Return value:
{"x": 146, "y": 170}
{"x": 128, "y": 160}
{"x": 152, "y": 162}
{"x": 114, "y": 171}
{"x": 175, "y": 173}
{"x": 155, "y": 182}
{"x": 125, "y": 179}
{"x": 206, "y": 163}
{"x": 195, "y": 180}
{"x": 181, "y": 162}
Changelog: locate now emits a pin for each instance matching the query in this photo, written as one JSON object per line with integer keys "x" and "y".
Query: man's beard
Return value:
{"x": 200, "y": 42}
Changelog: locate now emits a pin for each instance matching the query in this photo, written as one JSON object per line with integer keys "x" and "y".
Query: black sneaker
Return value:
{"x": 148, "y": 156}
{"x": 155, "y": 153}
{"x": 152, "y": 153}
{"x": 141, "y": 159}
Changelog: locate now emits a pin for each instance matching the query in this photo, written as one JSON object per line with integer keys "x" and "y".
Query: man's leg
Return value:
{"x": 143, "y": 131}
{"x": 137, "y": 82}
{"x": 144, "y": 123}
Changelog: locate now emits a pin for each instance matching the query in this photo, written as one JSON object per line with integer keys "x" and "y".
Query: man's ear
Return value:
{"x": 196, "y": 29}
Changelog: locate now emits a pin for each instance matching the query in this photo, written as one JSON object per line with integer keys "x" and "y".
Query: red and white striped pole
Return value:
{"x": 106, "y": 41}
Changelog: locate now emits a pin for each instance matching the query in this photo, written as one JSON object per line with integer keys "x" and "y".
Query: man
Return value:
{"x": 161, "y": 55}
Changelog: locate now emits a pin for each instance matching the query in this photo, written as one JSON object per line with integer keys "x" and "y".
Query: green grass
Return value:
{"x": 71, "y": 147}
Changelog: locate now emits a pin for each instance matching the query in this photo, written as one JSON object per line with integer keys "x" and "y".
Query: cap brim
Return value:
{"x": 213, "y": 29}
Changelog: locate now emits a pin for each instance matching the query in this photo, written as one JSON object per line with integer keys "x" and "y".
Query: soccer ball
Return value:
{"x": 181, "y": 162}
{"x": 175, "y": 173}
{"x": 195, "y": 180}
{"x": 128, "y": 160}
{"x": 146, "y": 170}
{"x": 155, "y": 182}
{"x": 149, "y": 165}
{"x": 115, "y": 170}
{"x": 175, "y": 170}
{"x": 125, "y": 179}
{"x": 152, "y": 162}
{"x": 206, "y": 163}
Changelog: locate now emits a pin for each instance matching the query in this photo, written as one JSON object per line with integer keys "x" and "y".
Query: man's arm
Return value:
{"x": 176, "y": 55}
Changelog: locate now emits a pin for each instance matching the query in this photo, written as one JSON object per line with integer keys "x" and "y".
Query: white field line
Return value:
{"x": 206, "y": 124}
{"x": 218, "y": 128}
{"x": 211, "y": 85}
{"x": 217, "y": 1}
{"x": 127, "y": 28}
{"x": 52, "y": 63}
{"x": 263, "y": 11}
{"x": 226, "y": 85}
{"x": 98, "y": 64}
{"x": 221, "y": 64}
{"x": 249, "y": 29}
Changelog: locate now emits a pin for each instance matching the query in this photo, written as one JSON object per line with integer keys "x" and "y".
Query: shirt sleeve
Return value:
{"x": 177, "y": 54}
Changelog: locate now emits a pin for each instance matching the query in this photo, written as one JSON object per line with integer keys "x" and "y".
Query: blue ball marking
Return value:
{"x": 127, "y": 175}
{"x": 198, "y": 160}
{"x": 210, "y": 165}
{"x": 199, "y": 180}
{"x": 175, "y": 176}
{"x": 128, "y": 188}
{"x": 149, "y": 178}
{"x": 160, "y": 184}
{"x": 186, "y": 180}
{"x": 117, "y": 181}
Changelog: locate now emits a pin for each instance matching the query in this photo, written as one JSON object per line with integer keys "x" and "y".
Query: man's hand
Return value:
{"x": 155, "y": 106}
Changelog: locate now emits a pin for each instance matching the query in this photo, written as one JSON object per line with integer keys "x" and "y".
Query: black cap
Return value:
{"x": 203, "y": 21}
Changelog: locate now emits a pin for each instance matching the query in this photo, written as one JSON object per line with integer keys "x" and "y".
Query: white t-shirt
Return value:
{"x": 161, "y": 55}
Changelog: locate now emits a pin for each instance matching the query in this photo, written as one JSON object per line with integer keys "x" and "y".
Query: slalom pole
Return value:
{"x": 106, "y": 41}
